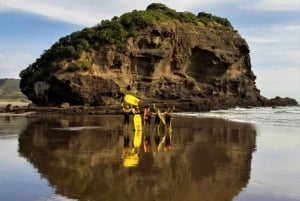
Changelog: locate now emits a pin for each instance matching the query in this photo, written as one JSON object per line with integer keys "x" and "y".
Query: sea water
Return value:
{"x": 276, "y": 116}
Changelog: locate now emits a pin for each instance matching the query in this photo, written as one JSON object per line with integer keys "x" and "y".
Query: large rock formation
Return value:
{"x": 199, "y": 61}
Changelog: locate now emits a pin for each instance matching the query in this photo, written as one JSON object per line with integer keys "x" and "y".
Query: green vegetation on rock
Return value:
{"x": 79, "y": 65}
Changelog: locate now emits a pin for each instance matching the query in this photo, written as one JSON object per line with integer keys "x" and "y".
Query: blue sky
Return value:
{"x": 271, "y": 28}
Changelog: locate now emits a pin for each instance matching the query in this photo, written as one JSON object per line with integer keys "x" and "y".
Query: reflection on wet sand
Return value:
{"x": 131, "y": 155}
{"x": 199, "y": 159}
{"x": 9, "y": 123}
{"x": 142, "y": 138}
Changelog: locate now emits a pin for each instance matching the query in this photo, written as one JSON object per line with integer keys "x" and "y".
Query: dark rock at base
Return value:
{"x": 179, "y": 106}
{"x": 278, "y": 101}
{"x": 65, "y": 105}
{"x": 8, "y": 108}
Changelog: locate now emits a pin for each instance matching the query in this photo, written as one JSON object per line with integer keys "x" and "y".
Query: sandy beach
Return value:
{"x": 202, "y": 158}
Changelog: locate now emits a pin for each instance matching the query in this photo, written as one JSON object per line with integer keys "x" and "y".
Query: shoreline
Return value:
{"x": 26, "y": 109}
{"x": 95, "y": 110}
{"x": 74, "y": 110}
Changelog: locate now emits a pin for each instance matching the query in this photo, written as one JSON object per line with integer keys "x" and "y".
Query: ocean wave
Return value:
{"x": 279, "y": 116}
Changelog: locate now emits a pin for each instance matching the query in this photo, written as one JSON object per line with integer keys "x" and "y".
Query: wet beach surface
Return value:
{"x": 97, "y": 158}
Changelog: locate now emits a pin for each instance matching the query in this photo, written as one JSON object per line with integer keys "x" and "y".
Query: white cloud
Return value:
{"x": 11, "y": 65}
{"x": 77, "y": 12}
{"x": 84, "y": 12}
{"x": 91, "y": 12}
{"x": 274, "y": 45}
{"x": 284, "y": 82}
{"x": 275, "y": 58}
{"x": 280, "y": 5}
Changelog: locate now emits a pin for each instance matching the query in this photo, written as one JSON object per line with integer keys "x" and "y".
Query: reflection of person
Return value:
{"x": 130, "y": 155}
{"x": 147, "y": 116}
{"x": 168, "y": 138}
{"x": 147, "y": 144}
{"x": 156, "y": 119}
{"x": 126, "y": 141}
{"x": 126, "y": 111}
{"x": 156, "y": 139}
{"x": 168, "y": 142}
{"x": 126, "y": 146}
{"x": 168, "y": 116}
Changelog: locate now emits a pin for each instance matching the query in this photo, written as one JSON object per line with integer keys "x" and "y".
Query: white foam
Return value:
{"x": 77, "y": 128}
{"x": 279, "y": 116}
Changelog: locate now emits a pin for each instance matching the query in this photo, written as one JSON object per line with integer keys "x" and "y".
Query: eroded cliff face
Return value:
{"x": 167, "y": 62}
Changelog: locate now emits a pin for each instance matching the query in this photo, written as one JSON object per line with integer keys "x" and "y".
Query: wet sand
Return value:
{"x": 83, "y": 157}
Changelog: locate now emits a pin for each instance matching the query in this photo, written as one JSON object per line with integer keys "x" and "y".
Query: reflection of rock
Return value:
{"x": 210, "y": 160}
{"x": 64, "y": 123}
{"x": 219, "y": 159}
{"x": 11, "y": 125}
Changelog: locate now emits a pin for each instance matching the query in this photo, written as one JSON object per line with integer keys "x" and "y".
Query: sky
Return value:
{"x": 270, "y": 27}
